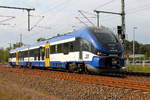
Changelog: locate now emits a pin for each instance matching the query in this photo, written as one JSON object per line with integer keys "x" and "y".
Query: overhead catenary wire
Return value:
{"x": 7, "y": 18}
{"x": 88, "y": 12}
{"x": 86, "y": 17}
{"x": 42, "y": 17}
{"x": 56, "y": 5}
{"x": 81, "y": 21}
{"x": 130, "y": 13}
{"x": 138, "y": 10}
{"x": 133, "y": 10}
{"x": 44, "y": 27}
{"x": 4, "y": 24}
{"x": 20, "y": 8}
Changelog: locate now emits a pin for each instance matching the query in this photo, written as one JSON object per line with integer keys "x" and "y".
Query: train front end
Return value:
{"x": 108, "y": 52}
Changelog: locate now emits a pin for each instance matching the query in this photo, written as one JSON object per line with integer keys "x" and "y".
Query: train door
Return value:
{"x": 17, "y": 58}
{"x": 47, "y": 53}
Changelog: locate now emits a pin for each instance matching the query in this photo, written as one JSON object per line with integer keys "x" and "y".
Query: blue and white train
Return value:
{"x": 88, "y": 49}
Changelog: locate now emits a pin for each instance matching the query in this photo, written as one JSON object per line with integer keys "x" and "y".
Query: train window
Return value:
{"x": 77, "y": 46}
{"x": 85, "y": 45}
{"x": 30, "y": 53}
{"x": 38, "y": 53}
{"x": 24, "y": 54}
{"x": 19, "y": 55}
{"x": 56, "y": 48}
{"x": 71, "y": 47}
{"x": 43, "y": 50}
{"x": 14, "y": 55}
{"x": 66, "y": 48}
{"x": 34, "y": 52}
{"x": 59, "y": 48}
{"x": 10, "y": 55}
{"x": 52, "y": 51}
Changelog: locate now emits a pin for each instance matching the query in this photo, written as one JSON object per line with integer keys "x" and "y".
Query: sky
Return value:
{"x": 52, "y": 17}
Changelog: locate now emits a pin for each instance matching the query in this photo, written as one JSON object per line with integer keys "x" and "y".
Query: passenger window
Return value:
{"x": 66, "y": 48}
{"x": 71, "y": 47}
{"x": 52, "y": 51}
{"x": 86, "y": 45}
{"x": 59, "y": 48}
{"x": 43, "y": 50}
{"x": 56, "y": 48}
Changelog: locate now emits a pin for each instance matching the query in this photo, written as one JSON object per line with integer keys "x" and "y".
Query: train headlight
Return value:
{"x": 100, "y": 54}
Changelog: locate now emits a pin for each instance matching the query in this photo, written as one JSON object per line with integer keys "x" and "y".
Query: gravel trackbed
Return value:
{"x": 14, "y": 86}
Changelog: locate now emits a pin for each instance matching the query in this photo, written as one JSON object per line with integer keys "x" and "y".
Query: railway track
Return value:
{"x": 136, "y": 74}
{"x": 129, "y": 82}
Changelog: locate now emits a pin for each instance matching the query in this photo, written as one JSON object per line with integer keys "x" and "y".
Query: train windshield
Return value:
{"x": 104, "y": 37}
{"x": 107, "y": 39}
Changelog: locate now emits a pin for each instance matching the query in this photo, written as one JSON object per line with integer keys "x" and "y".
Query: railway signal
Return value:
{"x": 120, "y": 32}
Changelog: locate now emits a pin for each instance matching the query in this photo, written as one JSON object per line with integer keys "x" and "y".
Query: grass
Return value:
{"x": 139, "y": 68}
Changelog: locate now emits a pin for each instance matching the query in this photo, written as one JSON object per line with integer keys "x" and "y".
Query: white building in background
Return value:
{"x": 137, "y": 56}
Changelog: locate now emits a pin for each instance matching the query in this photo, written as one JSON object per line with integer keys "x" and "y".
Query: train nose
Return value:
{"x": 113, "y": 62}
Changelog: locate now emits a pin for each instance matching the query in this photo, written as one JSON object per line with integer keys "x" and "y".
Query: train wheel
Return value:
{"x": 83, "y": 69}
{"x": 31, "y": 67}
{"x": 72, "y": 67}
{"x": 86, "y": 70}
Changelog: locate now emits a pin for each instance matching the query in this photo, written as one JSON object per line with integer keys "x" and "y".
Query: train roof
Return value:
{"x": 83, "y": 33}
{"x": 77, "y": 33}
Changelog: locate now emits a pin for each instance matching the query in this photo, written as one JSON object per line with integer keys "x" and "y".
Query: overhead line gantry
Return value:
{"x": 19, "y": 8}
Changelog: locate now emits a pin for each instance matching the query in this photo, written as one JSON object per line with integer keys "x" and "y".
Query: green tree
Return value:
{"x": 4, "y": 54}
{"x": 139, "y": 48}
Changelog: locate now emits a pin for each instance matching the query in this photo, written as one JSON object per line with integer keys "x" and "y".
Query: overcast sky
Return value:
{"x": 59, "y": 18}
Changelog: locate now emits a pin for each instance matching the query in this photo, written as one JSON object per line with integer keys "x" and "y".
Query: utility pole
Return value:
{"x": 107, "y": 12}
{"x": 123, "y": 17}
{"x": 28, "y": 19}
{"x": 27, "y": 9}
{"x": 10, "y": 46}
{"x": 134, "y": 28}
{"x": 21, "y": 40}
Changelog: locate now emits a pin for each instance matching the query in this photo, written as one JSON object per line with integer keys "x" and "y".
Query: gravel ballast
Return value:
{"x": 55, "y": 89}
